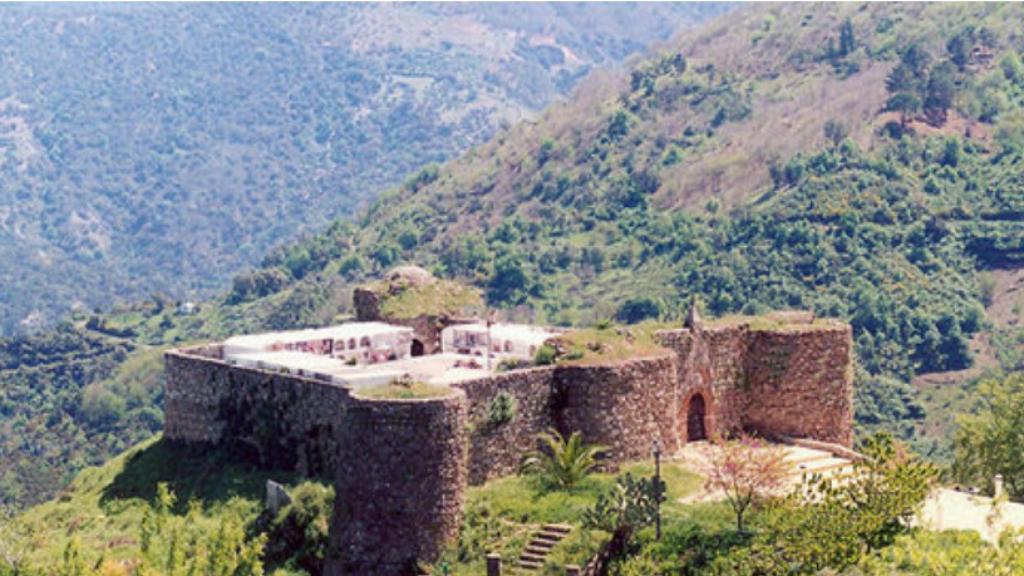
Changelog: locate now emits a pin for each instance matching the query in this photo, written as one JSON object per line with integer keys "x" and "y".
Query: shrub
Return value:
{"x": 299, "y": 531}
{"x": 257, "y": 284}
{"x": 502, "y": 409}
{"x": 830, "y": 526}
{"x": 988, "y": 442}
{"x": 628, "y": 506}
{"x": 545, "y": 355}
{"x": 637, "y": 310}
{"x": 563, "y": 462}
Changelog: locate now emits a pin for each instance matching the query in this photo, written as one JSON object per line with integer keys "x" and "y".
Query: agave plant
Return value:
{"x": 561, "y": 462}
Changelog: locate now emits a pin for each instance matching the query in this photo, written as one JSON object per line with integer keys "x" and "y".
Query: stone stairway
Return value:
{"x": 808, "y": 462}
{"x": 537, "y": 549}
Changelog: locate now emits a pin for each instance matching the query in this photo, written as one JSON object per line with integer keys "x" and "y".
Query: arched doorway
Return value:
{"x": 417, "y": 348}
{"x": 695, "y": 419}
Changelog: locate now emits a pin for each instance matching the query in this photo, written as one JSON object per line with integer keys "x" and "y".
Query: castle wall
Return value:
{"x": 727, "y": 348}
{"x": 793, "y": 381}
{"x": 399, "y": 466}
{"x": 623, "y": 406}
{"x": 274, "y": 420}
{"x": 710, "y": 363}
{"x": 399, "y": 488}
{"x": 800, "y": 383}
{"x": 498, "y": 449}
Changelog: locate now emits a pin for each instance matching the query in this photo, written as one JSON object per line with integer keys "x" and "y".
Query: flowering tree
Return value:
{"x": 747, "y": 470}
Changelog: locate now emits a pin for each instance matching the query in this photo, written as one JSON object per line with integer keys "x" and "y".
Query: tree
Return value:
{"x": 257, "y": 284}
{"x": 910, "y": 74}
{"x": 561, "y": 463}
{"x": 988, "y": 442}
{"x": 906, "y": 103}
{"x": 509, "y": 283}
{"x": 829, "y": 525}
{"x": 847, "y": 43}
{"x": 299, "y": 530}
{"x": 1012, "y": 67}
{"x": 627, "y": 507}
{"x": 835, "y": 132}
{"x": 618, "y": 125}
{"x": 385, "y": 253}
{"x": 959, "y": 48}
{"x": 636, "y": 310}
{"x": 939, "y": 94}
{"x": 747, "y": 471}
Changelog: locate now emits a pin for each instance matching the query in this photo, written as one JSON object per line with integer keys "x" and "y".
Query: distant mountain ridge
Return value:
{"x": 859, "y": 160}
{"x": 163, "y": 147}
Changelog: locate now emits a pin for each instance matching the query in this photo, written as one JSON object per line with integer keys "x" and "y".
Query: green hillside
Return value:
{"x": 773, "y": 159}
{"x": 150, "y": 148}
{"x": 155, "y": 504}
{"x": 859, "y": 160}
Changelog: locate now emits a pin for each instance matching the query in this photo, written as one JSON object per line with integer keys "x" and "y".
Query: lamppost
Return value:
{"x": 656, "y": 449}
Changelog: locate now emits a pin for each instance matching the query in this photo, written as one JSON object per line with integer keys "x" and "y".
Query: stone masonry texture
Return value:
{"x": 400, "y": 467}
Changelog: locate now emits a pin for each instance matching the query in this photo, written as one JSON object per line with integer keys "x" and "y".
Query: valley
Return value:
{"x": 859, "y": 161}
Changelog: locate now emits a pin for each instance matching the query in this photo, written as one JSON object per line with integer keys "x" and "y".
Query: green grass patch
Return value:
{"x": 768, "y": 323}
{"x": 502, "y": 515}
{"x": 104, "y": 506}
{"x": 412, "y": 391}
{"x": 611, "y": 343}
{"x": 434, "y": 299}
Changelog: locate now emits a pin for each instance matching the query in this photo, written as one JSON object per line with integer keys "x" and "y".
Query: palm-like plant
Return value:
{"x": 561, "y": 463}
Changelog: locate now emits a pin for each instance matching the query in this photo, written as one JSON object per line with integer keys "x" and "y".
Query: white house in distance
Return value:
{"x": 506, "y": 340}
{"x": 359, "y": 342}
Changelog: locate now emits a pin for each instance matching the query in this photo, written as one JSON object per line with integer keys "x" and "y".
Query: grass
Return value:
{"x": 103, "y": 507}
{"x": 768, "y": 323}
{"x": 611, "y": 343}
{"x": 414, "y": 391}
{"x": 434, "y": 299}
{"x": 502, "y": 514}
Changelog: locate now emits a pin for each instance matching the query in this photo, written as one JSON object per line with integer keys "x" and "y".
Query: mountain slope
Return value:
{"x": 147, "y": 148}
{"x": 889, "y": 219}
{"x": 757, "y": 163}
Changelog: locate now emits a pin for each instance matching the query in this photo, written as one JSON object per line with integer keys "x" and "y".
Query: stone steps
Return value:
{"x": 821, "y": 466}
{"x": 807, "y": 462}
{"x": 532, "y": 558}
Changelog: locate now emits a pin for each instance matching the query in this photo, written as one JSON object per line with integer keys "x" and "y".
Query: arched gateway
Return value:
{"x": 417, "y": 348}
{"x": 696, "y": 412}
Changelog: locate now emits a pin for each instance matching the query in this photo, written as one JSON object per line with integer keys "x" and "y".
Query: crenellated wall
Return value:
{"x": 401, "y": 466}
{"x": 271, "y": 419}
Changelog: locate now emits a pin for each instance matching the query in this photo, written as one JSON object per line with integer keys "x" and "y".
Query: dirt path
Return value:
{"x": 1007, "y": 308}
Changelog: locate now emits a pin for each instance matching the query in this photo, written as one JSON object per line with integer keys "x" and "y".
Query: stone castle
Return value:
{"x": 401, "y": 465}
